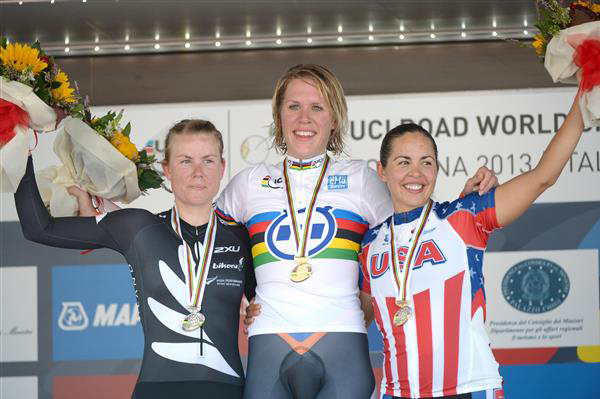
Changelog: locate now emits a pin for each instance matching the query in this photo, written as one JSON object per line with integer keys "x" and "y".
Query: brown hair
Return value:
{"x": 399, "y": 131}
{"x": 331, "y": 90}
{"x": 193, "y": 126}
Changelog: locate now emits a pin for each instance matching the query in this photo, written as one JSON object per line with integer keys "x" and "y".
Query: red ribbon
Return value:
{"x": 10, "y": 117}
{"x": 587, "y": 57}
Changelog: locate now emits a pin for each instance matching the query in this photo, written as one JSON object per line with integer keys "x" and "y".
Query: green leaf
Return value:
{"x": 127, "y": 129}
{"x": 3, "y": 42}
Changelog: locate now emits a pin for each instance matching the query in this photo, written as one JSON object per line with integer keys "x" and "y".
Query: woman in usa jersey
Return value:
{"x": 431, "y": 313}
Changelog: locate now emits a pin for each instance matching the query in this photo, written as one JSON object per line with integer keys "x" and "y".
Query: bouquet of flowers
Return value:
{"x": 34, "y": 93}
{"x": 569, "y": 41}
{"x": 99, "y": 157}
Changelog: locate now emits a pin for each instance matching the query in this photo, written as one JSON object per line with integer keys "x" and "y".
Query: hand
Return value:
{"x": 482, "y": 182}
{"x": 86, "y": 208}
{"x": 252, "y": 310}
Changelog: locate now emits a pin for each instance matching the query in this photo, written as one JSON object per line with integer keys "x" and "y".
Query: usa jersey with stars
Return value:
{"x": 443, "y": 349}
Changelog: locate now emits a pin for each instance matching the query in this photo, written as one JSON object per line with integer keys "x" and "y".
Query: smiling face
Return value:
{"x": 195, "y": 168}
{"x": 410, "y": 171}
{"x": 306, "y": 118}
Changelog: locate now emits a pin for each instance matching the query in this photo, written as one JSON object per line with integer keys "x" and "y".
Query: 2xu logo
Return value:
{"x": 73, "y": 316}
{"x": 535, "y": 286}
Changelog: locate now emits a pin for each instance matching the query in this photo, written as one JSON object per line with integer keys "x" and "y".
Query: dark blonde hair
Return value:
{"x": 193, "y": 126}
{"x": 331, "y": 90}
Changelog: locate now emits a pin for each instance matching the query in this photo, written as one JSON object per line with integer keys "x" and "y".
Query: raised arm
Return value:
{"x": 39, "y": 226}
{"x": 515, "y": 196}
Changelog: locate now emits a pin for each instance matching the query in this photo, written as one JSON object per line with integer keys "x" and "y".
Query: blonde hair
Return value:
{"x": 331, "y": 90}
{"x": 193, "y": 126}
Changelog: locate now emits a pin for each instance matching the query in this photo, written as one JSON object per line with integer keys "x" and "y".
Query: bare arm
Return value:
{"x": 515, "y": 196}
{"x": 367, "y": 308}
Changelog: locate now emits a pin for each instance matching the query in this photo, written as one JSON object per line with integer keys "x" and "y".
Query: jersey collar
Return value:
{"x": 408, "y": 216}
{"x": 305, "y": 164}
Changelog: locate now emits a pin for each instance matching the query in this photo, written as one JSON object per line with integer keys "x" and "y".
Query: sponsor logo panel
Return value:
{"x": 18, "y": 314}
{"x": 94, "y": 312}
{"x": 538, "y": 299}
{"x": 25, "y": 387}
{"x": 93, "y": 386}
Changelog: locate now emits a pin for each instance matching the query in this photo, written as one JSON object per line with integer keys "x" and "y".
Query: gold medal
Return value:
{"x": 301, "y": 272}
{"x": 402, "y": 315}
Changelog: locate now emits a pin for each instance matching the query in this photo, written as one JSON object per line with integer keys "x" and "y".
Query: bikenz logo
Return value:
{"x": 337, "y": 182}
{"x": 95, "y": 315}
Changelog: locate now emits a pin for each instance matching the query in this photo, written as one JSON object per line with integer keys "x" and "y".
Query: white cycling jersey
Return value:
{"x": 351, "y": 199}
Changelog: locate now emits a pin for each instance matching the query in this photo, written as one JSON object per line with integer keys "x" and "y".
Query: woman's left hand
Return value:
{"x": 482, "y": 182}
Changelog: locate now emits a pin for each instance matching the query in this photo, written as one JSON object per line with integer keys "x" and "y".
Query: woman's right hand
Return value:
{"x": 252, "y": 310}
{"x": 84, "y": 200}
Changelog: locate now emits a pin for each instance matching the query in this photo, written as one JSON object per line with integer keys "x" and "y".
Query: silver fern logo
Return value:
{"x": 184, "y": 352}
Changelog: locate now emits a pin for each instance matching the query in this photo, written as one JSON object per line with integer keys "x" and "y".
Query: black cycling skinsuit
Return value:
{"x": 201, "y": 364}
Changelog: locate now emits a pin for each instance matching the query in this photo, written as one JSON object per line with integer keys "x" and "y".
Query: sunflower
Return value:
{"x": 64, "y": 92}
{"x": 124, "y": 146}
{"x": 538, "y": 44}
{"x": 21, "y": 56}
{"x": 594, "y": 7}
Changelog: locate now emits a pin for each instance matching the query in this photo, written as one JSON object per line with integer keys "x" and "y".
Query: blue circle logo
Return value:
{"x": 535, "y": 286}
{"x": 281, "y": 243}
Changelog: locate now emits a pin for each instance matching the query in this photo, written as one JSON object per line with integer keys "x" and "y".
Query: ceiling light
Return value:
{"x": 309, "y": 40}
{"x": 156, "y": 46}
{"x": 463, "y": 25}
{"x": 494, "y": 33}
{"x": 67, "y": 40}
{"x": 218, "y": 34}
{"x": 401, "y": 28}
{"x": 432, "y": 26}
{"x": 127, "y": 47}
{"x": 463, "y": 34}
{"x": 97, "y": 39}
{"x": 432, "y": 35}
{"x": 525, "y": 22}
{"x": 371, "y": 37}
{"x": 157, "y": 37}
{"x": 401, "y": 37}
{"x": 67, "y": 49}
{"x": 370, "y": 28}
{"x": 187, "y": 45}
{"x": 278, "y": 31}
{"x": 51, "y": 1}
{"x": 127, "y": 38}
{"x": 217, "y": 44}
{"x": 20, "y": 3}
{"x": 525, "y": 32}
{"x": 97, "y": 48}
{"x": 340, "y": 29}
{"x": 309, "y": 30}
{"x": 248, "y": 43}
{"x": 248, "y": 33}
{"x": 278, "y": 41}
{"x": 494, "y": 23}
{"x": 84, "y": 1}
{"x": 187, "y": 35}
{"x": 340, "y": 39}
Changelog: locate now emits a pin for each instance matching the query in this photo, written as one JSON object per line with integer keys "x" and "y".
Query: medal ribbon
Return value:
{"x": 195, "y": 278}
{"x": 401, "y": 277}
{"x": 301, "y": 246}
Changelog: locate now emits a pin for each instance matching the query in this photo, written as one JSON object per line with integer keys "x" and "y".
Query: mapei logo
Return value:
{"x": 279, "y": 237}
{"x": 270, "y": 182}
{"x": 74, "y": 318}
{"x": 428, "y": 252}
{"x": 95, "y": 313}
{"x": 535, "y": 286}
{"x": 337, "y": 182}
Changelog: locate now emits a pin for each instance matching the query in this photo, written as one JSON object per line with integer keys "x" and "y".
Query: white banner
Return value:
{"x": 505, "y": 130}
{"x": 542, "y": 298}
{"x": 19, "y": 387}
{"x": 18, "y": 314}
